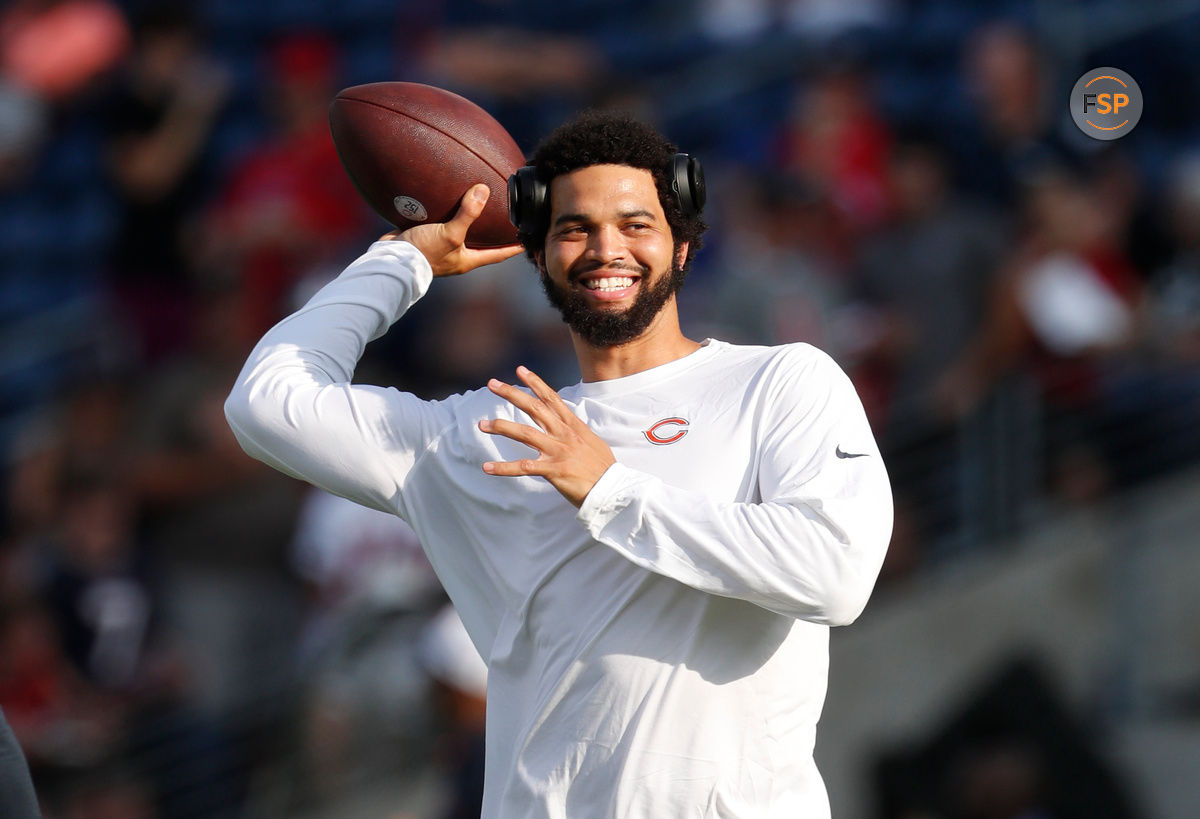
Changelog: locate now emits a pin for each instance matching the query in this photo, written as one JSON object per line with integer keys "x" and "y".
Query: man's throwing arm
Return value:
{"x": 293, "y": 406}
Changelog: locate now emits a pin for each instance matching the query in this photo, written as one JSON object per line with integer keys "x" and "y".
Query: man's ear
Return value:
{"x": 539, "y": 259}
{"x": 681, "y": 254}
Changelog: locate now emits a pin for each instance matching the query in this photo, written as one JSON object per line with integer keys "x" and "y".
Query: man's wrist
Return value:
{"x": 604, "y": 494}
{"x": 411, "y": 257}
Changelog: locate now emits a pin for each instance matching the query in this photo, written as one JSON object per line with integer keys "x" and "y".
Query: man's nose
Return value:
{"x": 605, "y": 244}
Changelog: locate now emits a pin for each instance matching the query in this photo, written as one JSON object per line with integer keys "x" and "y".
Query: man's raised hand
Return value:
{"x": 571, "y": 457}
{"x": 443, "y": 243}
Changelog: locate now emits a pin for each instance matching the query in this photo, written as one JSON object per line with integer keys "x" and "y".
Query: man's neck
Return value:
{"x": 661, "y": 343}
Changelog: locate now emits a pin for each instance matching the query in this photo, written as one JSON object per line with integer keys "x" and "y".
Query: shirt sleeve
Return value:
{"x": 811, "y": 548}
{"x": 293, "y": 406}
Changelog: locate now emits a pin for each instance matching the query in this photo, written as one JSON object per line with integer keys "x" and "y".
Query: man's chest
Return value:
{"x": 700, "y": 447}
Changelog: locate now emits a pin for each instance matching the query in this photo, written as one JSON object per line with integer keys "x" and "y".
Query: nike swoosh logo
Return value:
{"x": 842, "y": 454}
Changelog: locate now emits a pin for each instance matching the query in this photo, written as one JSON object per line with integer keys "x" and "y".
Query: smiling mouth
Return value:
{"x": 608, "y": 284}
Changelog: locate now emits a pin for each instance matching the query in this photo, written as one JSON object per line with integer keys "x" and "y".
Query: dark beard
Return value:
{"x": 612, "y": 328}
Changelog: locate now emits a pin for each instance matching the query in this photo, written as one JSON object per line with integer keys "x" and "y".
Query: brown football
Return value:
{"x": 413, "y": 150}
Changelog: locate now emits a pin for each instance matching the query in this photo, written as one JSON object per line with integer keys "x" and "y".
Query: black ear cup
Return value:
{"x": 687, "y": 177}
{"x": 529, "y": 205}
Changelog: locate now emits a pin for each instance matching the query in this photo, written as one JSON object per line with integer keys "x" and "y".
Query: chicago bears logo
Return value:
{"x": 666, "y": 431}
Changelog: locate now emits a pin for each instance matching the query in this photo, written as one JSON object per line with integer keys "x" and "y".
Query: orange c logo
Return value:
{"x": 652, "y": 434}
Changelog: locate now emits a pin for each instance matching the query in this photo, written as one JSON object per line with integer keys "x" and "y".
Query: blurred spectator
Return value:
{"x": 220, "y": 521}
{"x": 473, "y": 334}
{"x": 1151, "y": 393}
{"x": 926, "y": 277}
{"x": 459, "y": 677}
{"x": 923, "y": 284}
{"x": 58, "y": 48}
{"x": 107, "y": 601}
{"x": 187, "y": 461}
{"x": 1064, "y": 306}
{"x": 159, "y": 120}
{"x": 87, "y": 430}
{"x": 1011, "y": 133}
{"x": 53, "y": 56}
{"x": 99, "y": 584}
{"x": 60, "y": 721}
{"x": 288, "y": 209}
{"x": 1077, "y": 289}
{"x": 370, "y": 586}
{"x": 782, "y": 273}
{"x": 1173, "y": 308}
{"x": 356, "y": 558}
{"x": 835, "y": 141}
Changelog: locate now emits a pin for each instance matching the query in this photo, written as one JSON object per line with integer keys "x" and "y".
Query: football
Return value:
{"x": 413, "y": 150}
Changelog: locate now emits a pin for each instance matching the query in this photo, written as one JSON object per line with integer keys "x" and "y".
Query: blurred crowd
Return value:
{"x": 184, "y": 632}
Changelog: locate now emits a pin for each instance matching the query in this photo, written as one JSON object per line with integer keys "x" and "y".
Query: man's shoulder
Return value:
{"x": 471, "y": 405}
{"x": 782, "y": 360}
{"x": 790, "y": 380}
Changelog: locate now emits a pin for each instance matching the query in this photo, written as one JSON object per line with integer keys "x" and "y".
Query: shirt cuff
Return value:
{"x": 607, "y": 498}
{"x": 413, "y": 261}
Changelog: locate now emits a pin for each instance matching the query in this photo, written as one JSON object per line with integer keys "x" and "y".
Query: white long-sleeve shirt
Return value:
{"x": 663, "y": 650}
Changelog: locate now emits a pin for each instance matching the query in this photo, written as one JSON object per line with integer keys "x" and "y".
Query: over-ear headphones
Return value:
{"x": 529, "y": 205}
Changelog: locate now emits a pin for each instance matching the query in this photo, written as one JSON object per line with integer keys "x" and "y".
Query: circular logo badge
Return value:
{"x": 410, "y": 208}
{"x": 1106, "y": 103}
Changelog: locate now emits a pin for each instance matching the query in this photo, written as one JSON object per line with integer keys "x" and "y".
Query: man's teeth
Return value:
{"x": 610, "y": 283}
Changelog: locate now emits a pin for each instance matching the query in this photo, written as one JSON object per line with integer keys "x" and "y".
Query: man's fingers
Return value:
{"x": 510, "y": 469}
{"x": 491, "y": 255}
{"x": 518, "y": 398}
{"x": 443, "y": 244}
{"x": 468, "y": 211}
{"x": 521, "y": 433}
{"x": 532, "y": 406}
{"x": 544, "y": 392}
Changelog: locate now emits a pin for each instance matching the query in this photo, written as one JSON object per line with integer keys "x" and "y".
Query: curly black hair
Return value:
{"x": 604, "y": 138}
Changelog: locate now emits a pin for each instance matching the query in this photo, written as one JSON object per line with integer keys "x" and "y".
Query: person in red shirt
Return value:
{"x": 288, "y": 208}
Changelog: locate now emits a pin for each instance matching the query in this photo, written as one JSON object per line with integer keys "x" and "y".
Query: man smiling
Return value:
{"x": 648, "y": 560}
{"x": 616, "y": 304}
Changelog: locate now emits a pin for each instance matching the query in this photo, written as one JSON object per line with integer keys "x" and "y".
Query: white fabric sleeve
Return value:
{"x": 811, "y": 549}
{"x": 293, "y": 406}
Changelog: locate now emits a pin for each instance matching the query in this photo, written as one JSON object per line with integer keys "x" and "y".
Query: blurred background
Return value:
{"x": 185, "y": 633}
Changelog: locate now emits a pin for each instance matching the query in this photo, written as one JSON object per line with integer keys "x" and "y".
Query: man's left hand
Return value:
{"x": 571, "y": 457}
